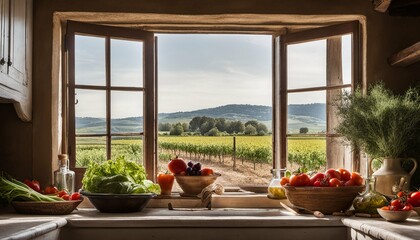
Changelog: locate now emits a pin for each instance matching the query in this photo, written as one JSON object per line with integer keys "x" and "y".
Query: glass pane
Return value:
{"x": 89, "y": 66}
{"x": 126, "y": 112}
{"x": 126, "y": 63}
{"x": 90, "y": 111}
{"x": 306, "y": 64}
{"x": 306, "y": 151}
{"x": 90, "y": 149}
{"x": 306, "y": 112}
{"x": 346, "y": 50}
{"x": 129, "y": 147}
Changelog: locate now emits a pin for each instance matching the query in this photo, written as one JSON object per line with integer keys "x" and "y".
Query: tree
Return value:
{"x": 207, "y": 126}
{"x": 164, "y": 127}
{"x": 303, "y": 130}
{"x": 261, "y": 129}
{"x": 250, "y": 130}
{"x": 185, "y": 126}
{"x": 235, "y": 127}
{"x": 254, "y": 123}
{"x": 213, "y": 132}
{"x": 195, "y": 124}
{"x": 176, "y": 129}
{"x": 221, "y": 124}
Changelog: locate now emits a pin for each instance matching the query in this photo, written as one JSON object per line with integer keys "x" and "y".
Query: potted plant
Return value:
{"x": 385, "y": 126}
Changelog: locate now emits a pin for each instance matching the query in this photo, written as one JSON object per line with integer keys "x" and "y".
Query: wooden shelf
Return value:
{"x": 406, "y": 56}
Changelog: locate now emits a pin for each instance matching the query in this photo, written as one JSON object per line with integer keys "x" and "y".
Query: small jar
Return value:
{"x": 275, "y": 190}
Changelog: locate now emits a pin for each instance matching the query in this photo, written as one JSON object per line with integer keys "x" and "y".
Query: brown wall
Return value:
{"x": 385, "y": 36}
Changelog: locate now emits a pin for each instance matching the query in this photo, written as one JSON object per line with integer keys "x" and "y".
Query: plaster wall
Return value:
{"x": 385, "y": 35}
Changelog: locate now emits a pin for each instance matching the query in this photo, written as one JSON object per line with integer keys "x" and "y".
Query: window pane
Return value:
{"x": 129, "y": 147}
{"x": 306, "y": 151}
{"x": 89, "y": 60}
{"x": 126, "y": 112}
{"x": 126, "y": 63}
{"x": 306, "y": 112}
{"x": 306, "y": 64}
{"x": 90, "y": 111}
{"x": 90, "y": 149}
{"x": 346, "y": 50}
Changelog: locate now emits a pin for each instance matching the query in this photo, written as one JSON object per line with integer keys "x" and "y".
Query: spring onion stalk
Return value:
{"x": 11, "y": 189}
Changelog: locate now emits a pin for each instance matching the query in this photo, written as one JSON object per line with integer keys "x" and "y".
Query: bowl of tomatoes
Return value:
{"x": 329, "y": 192}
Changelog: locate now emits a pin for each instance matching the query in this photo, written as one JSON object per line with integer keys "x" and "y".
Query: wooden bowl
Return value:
{"x": 193, "y": 185}
{"x": 394, "y": 216}
{"x": 46, "y": 208}
{"x": 324, "y": 199}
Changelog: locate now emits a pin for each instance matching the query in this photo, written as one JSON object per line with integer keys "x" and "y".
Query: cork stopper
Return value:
{"x": 63, "y": 158}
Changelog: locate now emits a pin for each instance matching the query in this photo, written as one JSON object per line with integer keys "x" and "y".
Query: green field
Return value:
{"x": 302, "y": 151}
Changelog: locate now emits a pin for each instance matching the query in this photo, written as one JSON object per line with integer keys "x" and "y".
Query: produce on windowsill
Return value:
{"x": 13, "y": 190}
{"x": 118, "y": 176}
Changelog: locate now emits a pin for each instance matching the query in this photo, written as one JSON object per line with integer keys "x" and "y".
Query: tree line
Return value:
{"x": 208, "y": 126}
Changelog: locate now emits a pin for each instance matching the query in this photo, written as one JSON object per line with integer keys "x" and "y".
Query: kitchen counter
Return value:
{"x": 231, "y": 223}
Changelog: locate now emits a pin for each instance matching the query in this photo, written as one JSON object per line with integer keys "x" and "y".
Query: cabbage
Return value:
{"x": 118, "y": 176}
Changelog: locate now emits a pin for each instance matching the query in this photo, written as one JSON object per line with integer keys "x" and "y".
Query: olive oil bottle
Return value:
{"x": 63, "y": 176}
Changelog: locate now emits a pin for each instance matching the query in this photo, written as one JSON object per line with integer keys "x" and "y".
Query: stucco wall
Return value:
{"x": 385, "y": 36}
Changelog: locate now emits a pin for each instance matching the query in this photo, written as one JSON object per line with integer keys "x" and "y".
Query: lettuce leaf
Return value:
{"x": 118, "y": 176}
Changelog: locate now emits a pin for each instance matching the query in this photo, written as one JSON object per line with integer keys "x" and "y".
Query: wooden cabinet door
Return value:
{"x": 18, "y": 38}
{"x": 4, "y": 35}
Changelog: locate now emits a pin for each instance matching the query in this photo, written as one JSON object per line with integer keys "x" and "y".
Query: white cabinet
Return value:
{"x": 16, "y": 55}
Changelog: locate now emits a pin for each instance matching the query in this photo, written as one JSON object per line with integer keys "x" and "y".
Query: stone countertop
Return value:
{"x": 18, "y": 226}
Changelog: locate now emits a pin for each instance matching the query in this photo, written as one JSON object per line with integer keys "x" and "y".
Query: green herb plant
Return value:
{"x": 382, "y": 124}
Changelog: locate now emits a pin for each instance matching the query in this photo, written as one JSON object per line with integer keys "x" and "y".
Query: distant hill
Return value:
{"x": 300, "y": 115}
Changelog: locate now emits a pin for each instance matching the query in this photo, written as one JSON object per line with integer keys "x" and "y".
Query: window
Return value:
{"x": 100, "y": 87}
{"x": 328, "y": 67}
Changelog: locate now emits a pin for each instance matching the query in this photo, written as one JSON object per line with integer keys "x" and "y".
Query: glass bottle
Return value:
{"x": 63, "y": 176}
{"x": 275, "y": 190}
{"x": 369, "y": 200}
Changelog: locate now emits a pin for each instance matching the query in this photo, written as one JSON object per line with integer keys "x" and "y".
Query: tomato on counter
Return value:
{"x": 34, "y": 184}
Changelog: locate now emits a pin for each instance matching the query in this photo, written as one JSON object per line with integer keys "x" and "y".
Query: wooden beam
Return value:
{"x": 406, "y": 56}
{"x": 381, "y": 5}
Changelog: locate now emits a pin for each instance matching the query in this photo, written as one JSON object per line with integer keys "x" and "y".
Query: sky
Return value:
{"x": 198, "y": 71}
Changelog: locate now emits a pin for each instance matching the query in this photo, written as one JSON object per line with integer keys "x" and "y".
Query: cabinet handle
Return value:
{"x": 9, "y": 63}
{"x": 2, "y": 62}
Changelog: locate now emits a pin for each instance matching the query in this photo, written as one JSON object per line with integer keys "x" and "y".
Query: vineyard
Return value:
{"x": 304, "y": 151}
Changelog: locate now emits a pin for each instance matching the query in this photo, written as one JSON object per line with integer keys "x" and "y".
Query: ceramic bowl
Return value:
{"x": 193, "y": 185}
{"x": 118, "y": 203}
{"x": 394, "y": 216}
{"x": 46, "y": 208}
{"x": 417, "y": 210}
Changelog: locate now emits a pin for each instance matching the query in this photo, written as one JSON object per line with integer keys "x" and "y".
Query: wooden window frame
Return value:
{"x": 281, "y": 91}
{"x": 279, "y": 86}
{"x": 149, "y": 93}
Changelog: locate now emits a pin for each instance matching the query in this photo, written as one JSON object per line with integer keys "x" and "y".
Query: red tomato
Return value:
{"x": 177, "y": 165}
{"x": 332, "y": 173}
{"x": 396, "y": 203}
{"x": 350, "y": 183}
{"x": 165, "y": 181}
{"x": 414, "y": 199}
{"x": 66, "y": 197}
{"x": 50, "y": 190}
{"x": 34, "y": 184}
{"x": 334, "y": 182}
{"x": 407, "y": 207}
{"x": 317, "y": 177}
{"x": 206, "y": 171}
{"x": 75, "y": 196}
{"x": 345, "y": 175}
{"x": 284, "y": 181}
{"x": 62, "y": 193}
{"x": 358, "y": 180}
{"x": 300, "y": 180}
